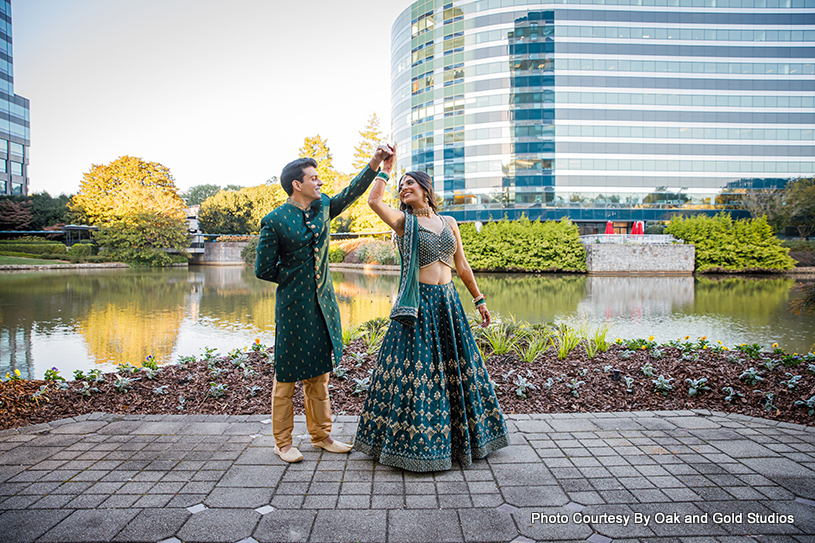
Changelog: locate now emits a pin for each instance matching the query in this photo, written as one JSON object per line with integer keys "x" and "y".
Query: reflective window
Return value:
{"x": 655, "y": 97}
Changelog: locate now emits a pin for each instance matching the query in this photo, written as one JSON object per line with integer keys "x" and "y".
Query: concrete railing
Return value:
{"x": 629, "y": 238}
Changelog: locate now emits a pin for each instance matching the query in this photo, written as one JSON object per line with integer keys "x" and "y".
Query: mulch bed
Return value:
{"x": 598, "y": 392}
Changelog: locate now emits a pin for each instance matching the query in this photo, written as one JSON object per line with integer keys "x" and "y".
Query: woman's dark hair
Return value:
{"x": 426, "y": 183}
{"x": 294, "y": 170}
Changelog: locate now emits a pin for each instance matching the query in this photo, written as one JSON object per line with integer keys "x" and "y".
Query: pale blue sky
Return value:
{"x": 219, "y": 91}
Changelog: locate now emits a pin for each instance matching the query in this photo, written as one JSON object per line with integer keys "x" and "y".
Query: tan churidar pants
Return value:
{"x": 317, "y": 406}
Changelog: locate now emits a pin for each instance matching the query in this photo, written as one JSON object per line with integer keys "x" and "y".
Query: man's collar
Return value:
{"x": 315, "y": 204}
{"x": 296, "y": 204}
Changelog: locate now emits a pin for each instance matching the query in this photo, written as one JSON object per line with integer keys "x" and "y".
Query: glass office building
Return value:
{"x": 602, "y": 110}
{"x": 15, "y": 134}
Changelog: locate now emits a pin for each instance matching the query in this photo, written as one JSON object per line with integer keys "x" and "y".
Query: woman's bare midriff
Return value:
{"x": 436, "y": 274}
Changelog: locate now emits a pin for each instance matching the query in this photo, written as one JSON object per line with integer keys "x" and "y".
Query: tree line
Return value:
{"x": 238, "y": 210}
{"x": 141, "y": 215}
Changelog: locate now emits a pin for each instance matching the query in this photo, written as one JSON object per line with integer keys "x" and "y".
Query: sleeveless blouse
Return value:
{"x": 433, "y": 246}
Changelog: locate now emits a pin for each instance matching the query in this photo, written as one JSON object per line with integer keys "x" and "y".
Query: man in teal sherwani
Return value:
{"x": 293, "y": 252}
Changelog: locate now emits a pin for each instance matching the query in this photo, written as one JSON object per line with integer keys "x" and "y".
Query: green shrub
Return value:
{"x": 524, "y": 245}
{"x": 144, "y": 239}
{"x": 19, "y": 254}
{"x": 799, "y": 245}
{"x": 378, "y": 252}
{"x": 250, "y": 252}
{"x": 84, "y": 249}
{"x": 724, "y": 244}
{"x": 46, "y": 256}
{"x": 335, "y": 254}
{"x": 33, "y": 247}
{"x": 103, "y": 258}
{"x": 70, "y": 257}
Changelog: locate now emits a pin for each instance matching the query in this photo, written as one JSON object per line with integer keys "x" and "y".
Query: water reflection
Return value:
{"x": 77, "y": 319}
{"x": 630, "y": 297}
{"x": 535, "y": 298}
{"x": 130, "y": 316}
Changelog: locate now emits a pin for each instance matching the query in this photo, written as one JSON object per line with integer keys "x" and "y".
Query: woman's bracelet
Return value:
{"x": 383, "y": 176}
{"x": 480, "y": 300}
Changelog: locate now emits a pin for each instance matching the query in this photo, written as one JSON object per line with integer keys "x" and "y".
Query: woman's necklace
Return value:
{"x": 423, "y": 211}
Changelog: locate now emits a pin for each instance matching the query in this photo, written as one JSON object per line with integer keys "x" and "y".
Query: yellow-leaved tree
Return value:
{"x": 333, "y": 181}
{"x": 126, "y": 186}
{"x": 137, "y": 208}
{"x": 363, "y": 218}
{"x": 317, "y": 148}
{"x": 239, "y": 212}
{"x": 264, "y": 199}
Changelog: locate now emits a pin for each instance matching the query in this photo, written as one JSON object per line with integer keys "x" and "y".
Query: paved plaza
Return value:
{"x": 673, "y": 476}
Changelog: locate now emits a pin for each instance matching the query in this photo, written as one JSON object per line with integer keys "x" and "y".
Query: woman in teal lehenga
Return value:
{"x": 430, "y": 401}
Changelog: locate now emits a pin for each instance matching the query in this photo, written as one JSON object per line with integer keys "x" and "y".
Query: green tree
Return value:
{"x": 126, "y": 187}
{"x": 197, "y": 194}
{"x": 143, "y": 238}
{"x": 49, "y": 211}
{"x": 227, "y": 212}
{"x": 239, "y": 212}
{"x": 801, "y": 198}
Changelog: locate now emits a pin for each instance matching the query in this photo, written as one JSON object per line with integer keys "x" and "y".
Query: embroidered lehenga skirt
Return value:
{"x": 430, "y": 401}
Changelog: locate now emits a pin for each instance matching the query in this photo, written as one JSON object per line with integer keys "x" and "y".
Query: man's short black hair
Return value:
{"x": 294, "y": 170}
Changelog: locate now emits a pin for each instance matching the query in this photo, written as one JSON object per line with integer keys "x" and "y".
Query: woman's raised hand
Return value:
{"x": 387, "y": 164}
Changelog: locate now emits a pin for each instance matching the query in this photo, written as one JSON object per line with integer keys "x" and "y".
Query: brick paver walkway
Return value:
{"x": 623, "y": 477}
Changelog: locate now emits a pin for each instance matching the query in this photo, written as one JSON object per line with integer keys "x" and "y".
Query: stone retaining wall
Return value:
{"x": 646, "y": 258}
{"x": 221, "y": 253}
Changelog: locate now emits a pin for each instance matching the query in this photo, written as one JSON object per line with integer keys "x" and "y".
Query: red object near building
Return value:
{"x": 609, "y": 227}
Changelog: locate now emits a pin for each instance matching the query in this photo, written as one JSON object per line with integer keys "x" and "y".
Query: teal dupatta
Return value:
{"x": 406, "y": 308}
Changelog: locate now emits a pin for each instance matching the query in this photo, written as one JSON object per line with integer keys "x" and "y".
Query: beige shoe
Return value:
{"x": 335, "y": 447}
{"x": 292, "y": 455}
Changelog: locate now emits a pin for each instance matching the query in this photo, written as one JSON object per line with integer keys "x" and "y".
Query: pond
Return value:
{"x": 81, "y": 319}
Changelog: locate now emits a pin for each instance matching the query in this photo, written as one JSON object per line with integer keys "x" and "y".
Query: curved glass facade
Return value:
{"x": 603, "y": 110}
{"x": 15, "y": 135}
